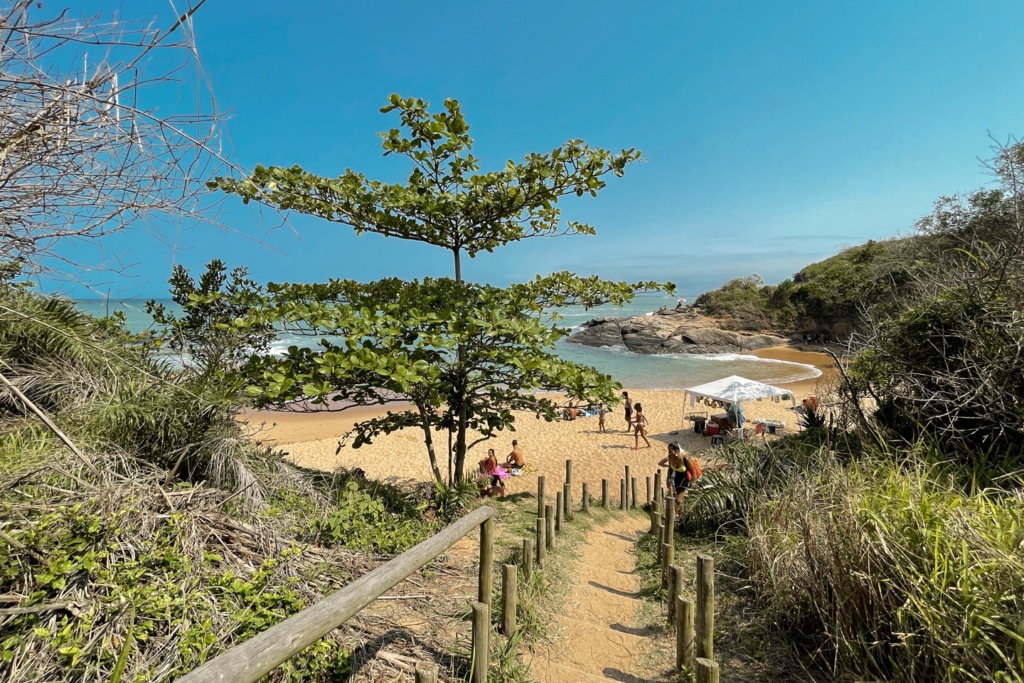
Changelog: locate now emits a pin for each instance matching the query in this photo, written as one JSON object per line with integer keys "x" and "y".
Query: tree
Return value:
{"x": 466, "y": 355}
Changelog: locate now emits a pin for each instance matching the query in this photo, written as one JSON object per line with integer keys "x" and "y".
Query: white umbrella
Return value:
{"x": 735, "y": 390}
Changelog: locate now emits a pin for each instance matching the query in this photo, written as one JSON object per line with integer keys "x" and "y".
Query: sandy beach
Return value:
{"x": 312, "y": 439}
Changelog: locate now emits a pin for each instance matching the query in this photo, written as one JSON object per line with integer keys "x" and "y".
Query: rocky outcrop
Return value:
{"x": 681, "y": 330}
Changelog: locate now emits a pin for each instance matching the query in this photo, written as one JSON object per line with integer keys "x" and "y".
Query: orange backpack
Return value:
{"x": 696, "y": 467}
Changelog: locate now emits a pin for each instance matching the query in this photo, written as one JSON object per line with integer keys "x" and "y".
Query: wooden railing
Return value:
{"x": 256, "y": 657}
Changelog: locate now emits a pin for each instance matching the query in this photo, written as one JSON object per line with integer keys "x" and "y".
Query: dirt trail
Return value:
{"x": 595, "y": 639}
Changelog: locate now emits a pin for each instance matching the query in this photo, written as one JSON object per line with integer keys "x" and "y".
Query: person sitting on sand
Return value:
{"x": 629, "y": 410}
{"x": 489, "y": 468}
{"x": 570, "y": 414}
{"x": 640, "y": 425}
{"x": 682, "y": 470}
{"x": 600, "y": 420}
{"x": 515, "y": 459}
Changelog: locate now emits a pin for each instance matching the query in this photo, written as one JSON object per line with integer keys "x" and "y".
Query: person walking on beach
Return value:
{"x": 629, "y": 410}
{"x": 600, "y": 420}
{"x": 640, "y": 426}
{"x": 682, "y": 470}
{"x": 515, "y": 459}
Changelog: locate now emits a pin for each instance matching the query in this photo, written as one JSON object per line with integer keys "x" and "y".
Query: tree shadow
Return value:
{"x": 622, "y": 536}
{"x": 633, "y": 631}
{"x": 614, "y": 591}
{"x": 622, "y": 676}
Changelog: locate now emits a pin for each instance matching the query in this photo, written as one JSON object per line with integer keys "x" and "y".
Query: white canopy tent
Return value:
{"x": 736, "y": 390}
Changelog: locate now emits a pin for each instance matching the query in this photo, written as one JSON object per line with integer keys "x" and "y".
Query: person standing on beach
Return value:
{"x": 629, "y": 410}
{"x": 600, "y": 420}
{"x": 640, "y": 428}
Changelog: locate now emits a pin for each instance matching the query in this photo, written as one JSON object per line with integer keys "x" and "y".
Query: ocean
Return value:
{"x": 633, "y": 370}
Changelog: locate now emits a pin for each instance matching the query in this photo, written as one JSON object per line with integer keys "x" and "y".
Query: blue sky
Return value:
{"x": 776, "y": 133}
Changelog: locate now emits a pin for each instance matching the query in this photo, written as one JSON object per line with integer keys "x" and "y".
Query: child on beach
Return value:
{"x": 600, "y": 420}
{"x": 682, "y": 470}
{"x": 641, "y": 432}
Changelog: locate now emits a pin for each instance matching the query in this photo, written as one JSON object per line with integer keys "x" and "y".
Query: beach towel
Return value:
{"x": 502, "y": 473}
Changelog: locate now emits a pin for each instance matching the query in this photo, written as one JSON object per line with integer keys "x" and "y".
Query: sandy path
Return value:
{"x": 595, "y": 639}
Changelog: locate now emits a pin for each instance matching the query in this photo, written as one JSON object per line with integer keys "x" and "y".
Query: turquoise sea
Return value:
{"x": 631, "y": 369}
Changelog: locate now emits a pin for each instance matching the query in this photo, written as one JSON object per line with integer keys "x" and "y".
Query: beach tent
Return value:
{"x": 736, "y": 390}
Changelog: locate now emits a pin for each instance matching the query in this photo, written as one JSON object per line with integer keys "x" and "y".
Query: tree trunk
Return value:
{"x": 458, "y": 264}
{"x": 460, "y": 445}
{"x": 428, "y": 439}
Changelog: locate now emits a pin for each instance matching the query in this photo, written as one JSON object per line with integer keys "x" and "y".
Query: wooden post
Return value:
{"x": 486, "y": 561}
{"x": 586, "y": 497}
{"x": 705, "y": 617}
{"x": 633, "y": 495}
{"x": 605, "y": 501}
{"x": 426, "y": 672}
{"x": 656, "y": 523}
{"x": 528, "y": 555}
{"x": 627, "y": 497}
{"x": 648, "y": 492}
{"x": 558, "y": 511}
{"x": 707, "y": 671}
{"x": 549, "y": 523}
{"x": 481, "y": 648}
{"x": 623, "y": 502}
{"x": 568, "y": 472}
{"x": 670, "y": 514}
{"x": 657, "y": 488}
{"x": 509, "y": 582}
{"x": 567, "y": 500}
{"x": 668, "y": 556}
{"x": 675, "y": 590}
{"x": 659, "y": 543}
{"x": 684, "y": 633}
{"x": 542, "y": 544}
{"x": 540, "y": 496}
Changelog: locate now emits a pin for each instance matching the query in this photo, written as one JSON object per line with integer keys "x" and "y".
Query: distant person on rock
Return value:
{"x": 515, "y": 459}
{"x": 640, "y": 426}
{"x": 629, "y": 410}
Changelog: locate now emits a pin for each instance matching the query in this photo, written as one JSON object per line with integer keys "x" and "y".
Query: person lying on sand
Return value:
{"x": 489, "y": 468}
{"x": 515, "y": 459}
{"x": 640, "y": 424}
{"x": 682, "y": 470}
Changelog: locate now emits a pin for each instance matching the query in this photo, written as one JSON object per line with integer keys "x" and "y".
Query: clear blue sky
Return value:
{"x": 776, "y": 132}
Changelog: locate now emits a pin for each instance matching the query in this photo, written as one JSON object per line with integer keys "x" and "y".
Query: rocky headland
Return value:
{"x": 678, "y": 330}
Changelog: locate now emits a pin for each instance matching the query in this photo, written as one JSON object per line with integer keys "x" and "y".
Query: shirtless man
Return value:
{"x": 629, "y": 410}
{"x": 515, "y": 460}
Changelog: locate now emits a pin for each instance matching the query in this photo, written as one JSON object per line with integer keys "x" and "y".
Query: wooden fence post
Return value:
{"x": 567, "y": 500}
{"x": 426, "y": 672}
{"x": 528, "y": 556}
{"x": 540, "y": 496}
{"x": 707, "y": 671}
{"x": 670, "y": 514}
{"x": 684, "y": 633}
{"x": 627, "y": 508}
{"x": 549, "y": 523}
{"x": 623, "y": 501}
{"x": 668, "y": 556}
{"x": 481, "y": 648}
{"x": 656, "y": 523}
{"x": 559, "y": 502}
{"x": 486, "y": 561}
{"x": 586, "y": 497}
{"x": 605, "y": 501}
{"x": 542, "y": 544}
{"x": 509, "y": 584}
{"x": 568, "y": 473}
{"x": 648, "y": 492}
{"x": 705, "y": 617}
{"x": 657, "y": 488}
{"x": 675, "y": 589}
{"x": 633, "y": 495}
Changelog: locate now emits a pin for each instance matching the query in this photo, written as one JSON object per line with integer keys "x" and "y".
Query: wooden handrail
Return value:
{"x": 249, "y": 661}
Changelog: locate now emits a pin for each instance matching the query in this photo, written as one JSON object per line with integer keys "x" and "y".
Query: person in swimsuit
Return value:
{"x": 681, "y": 471}
{"x": 600, "y": 420}
{"x": 640, "y": 424}
{"x": 515, "y": 459}
{"x": 629, "y": 410}
{"x": 489, "y": 468}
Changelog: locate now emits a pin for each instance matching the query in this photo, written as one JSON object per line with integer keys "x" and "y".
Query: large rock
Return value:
{"x": 670, "y": 331}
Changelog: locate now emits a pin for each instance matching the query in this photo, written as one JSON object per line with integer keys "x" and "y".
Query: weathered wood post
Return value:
{"x": 623, "y": 500}
{"x": 656, "y": 524}
{"x": 605, "y": 500}
{"x": 659, "y": 544}
{"x": 568, "y": 476}
{"x": 668, "y": 556}
{"x": 559, "y": 501}
{"x": 528, "y": 556}
{"x": 486, "y": 561}
{"x": 633, "y": 495}
{"x": 481, "y": 648}
{"x": 707, "y": 671}
{"x": 586, "y": 497}
{"x": 540, "y": 496}
{"x": 426, "y": 672}
{"x": 542, "y": 543}
{"x": 657, "y": 488}
{"x": 670, "y": 514}
{"x": 705, "y": 617}
{"x": 675, "y": 589}
{"x": 509, "y": 584}
{"x": 627, "y": 508}
{"x": 549, "y": 523}
{"x": 684, "y": 633}
{"x": 648, "y": 492}
{"x": 567, "y": 501}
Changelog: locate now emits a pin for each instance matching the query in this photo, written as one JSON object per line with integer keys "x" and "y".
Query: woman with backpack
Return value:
{"x": 682, "y": 470}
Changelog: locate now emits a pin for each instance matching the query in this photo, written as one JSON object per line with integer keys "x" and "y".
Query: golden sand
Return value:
{"x": 312, "y": 439}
